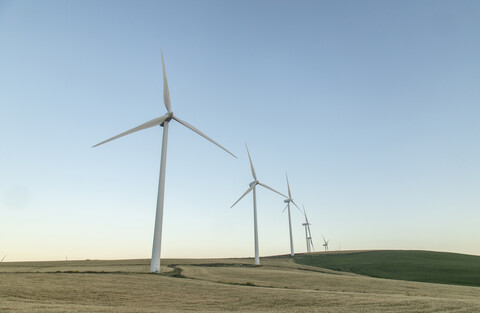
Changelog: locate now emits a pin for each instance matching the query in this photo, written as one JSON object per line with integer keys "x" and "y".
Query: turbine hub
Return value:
{"x": 169, "y": 116}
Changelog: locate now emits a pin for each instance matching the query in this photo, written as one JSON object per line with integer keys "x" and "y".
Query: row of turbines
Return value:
{"x": 288, "y": 200}
{"x": 164, "y": 121}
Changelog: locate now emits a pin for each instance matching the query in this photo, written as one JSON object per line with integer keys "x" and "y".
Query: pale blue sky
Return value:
{"x": 371, "y": 106}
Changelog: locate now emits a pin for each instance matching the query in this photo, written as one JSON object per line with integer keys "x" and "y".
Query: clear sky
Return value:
{"x": 371, "y": 106}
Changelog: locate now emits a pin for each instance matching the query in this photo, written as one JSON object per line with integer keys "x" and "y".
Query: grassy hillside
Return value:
{"x": 422, "y": 266}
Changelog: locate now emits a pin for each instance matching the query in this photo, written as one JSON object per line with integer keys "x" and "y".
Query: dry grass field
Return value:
{"x": 216, "y": 285}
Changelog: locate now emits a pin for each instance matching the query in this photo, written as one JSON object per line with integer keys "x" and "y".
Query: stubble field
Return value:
{"x": 217, "y": 285}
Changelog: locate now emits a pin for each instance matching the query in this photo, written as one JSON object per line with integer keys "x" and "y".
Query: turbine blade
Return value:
{"x": 251, "y": 164}
{"x": 154, "y": 122}
{"x": 166, "y": 92}
{"x": 191, "y": 127}
{"x": 3, "y": 258}
{"x": 285, "y": 208}
{"x": 272, "y": 190}
{"x": 310, "y": 236}
{"x": 297, "y": 207}
{"x": 305, "y": 213}
{"x": 288, "y": 185}
{"x": 245, "y": 193}
{"x": 324, "y": 239}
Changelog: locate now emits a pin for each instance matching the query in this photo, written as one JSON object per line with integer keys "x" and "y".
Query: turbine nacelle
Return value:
{"x": 168, "y": 117}
{"x": 288, "y": 200}
{"x": 253, "y": 183}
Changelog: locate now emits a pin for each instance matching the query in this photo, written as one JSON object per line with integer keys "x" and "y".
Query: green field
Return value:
{"x": 279, "y": 285}
{"x": 423, "y": 266}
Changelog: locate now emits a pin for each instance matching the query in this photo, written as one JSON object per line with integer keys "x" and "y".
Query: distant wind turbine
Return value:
{"x": 162, "y": 121}
{"x": 253, "y": 187}
{"x": 325, "y": 243}
{"x": 287, "y": 201}
{"x": 308, "y": 234}
{"x": 3, "y": 258}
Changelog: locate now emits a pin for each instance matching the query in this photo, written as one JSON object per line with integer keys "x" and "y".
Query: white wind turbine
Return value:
{"x": 287, "y": 201}
{"x": 325, "y": 243}
{"x": 162, "y": 121}
{"x": 253, "y": 185}
{"x": 308, "y": 234}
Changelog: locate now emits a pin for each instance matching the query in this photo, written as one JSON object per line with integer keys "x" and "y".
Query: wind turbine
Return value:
{"x": 252, "y": 186}
{"x": 287, "y": 201}
{"x": 325, "y": 243}
{"x": 162, "y": 121}
{"x": 308, "y": 234}
{"x": 3, "y": 258}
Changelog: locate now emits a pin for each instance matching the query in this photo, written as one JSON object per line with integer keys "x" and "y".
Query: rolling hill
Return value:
{"x": 224, "y": 285}
{"x": 421, "y": 266}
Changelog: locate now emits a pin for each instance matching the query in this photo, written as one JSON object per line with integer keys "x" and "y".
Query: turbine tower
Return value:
{"x": 252, "y": 186}
{"x": 325, "y": 243}
{"x": 308, "y": 234}
{"x": 162, "y": 121}
{"x": 287, "y": 201}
